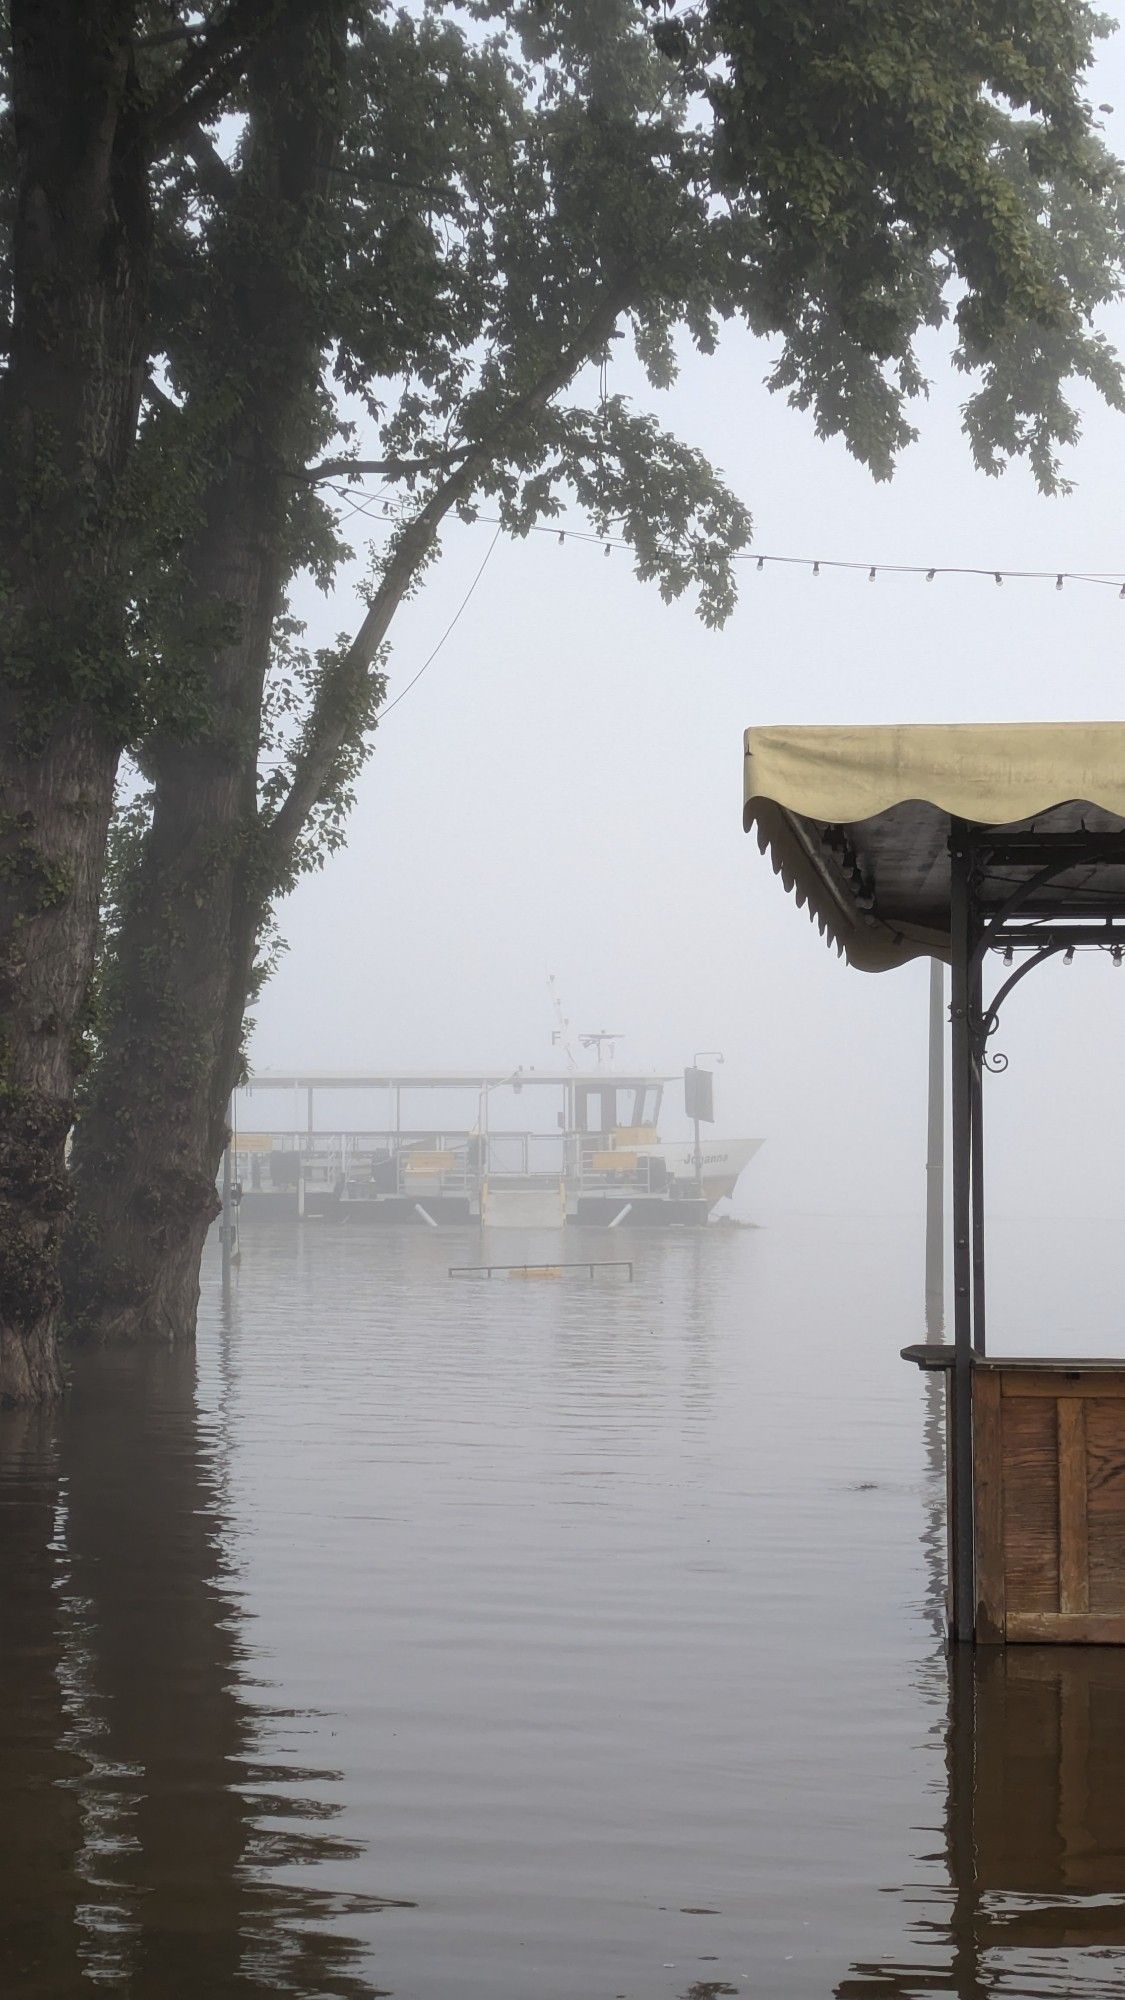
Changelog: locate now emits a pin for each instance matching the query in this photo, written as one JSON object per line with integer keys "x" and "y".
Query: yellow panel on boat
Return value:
{"x": 614, "y": 1163}
{"x": 253, "y": 1142}
{"x": 429, "y": 1163}
{"x": 635, "y": 1135}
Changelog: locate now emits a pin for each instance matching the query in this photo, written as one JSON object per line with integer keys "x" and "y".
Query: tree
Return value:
{"x": 87, "y": 117}
{"x": 486, "y": 235}
{"x": 513, "y": 188}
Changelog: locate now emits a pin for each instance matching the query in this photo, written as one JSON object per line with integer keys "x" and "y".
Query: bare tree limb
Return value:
{"x": 343, "y": 687}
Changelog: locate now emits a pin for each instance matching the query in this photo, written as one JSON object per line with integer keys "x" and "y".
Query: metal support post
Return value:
{"x": 976, "y": 1114}
{"x": 935, "y": 1154}
{"x": 226, "y": 1226}
{"x": 963, "y": 1592}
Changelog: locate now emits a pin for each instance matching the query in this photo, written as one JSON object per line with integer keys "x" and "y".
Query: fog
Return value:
{"x": 561, "y": 793}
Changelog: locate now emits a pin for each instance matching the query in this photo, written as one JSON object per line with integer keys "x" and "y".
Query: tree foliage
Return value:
{"x": 909, "y": 166}
{"x": 520, "y": 186}
{"x": 516, "y": 187}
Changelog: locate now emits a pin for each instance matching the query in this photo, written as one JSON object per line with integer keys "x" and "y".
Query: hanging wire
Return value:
{"x": 384, "y": 712}
{"x": 360, "y": 502}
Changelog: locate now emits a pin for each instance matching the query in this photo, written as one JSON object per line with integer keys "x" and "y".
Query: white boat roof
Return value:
{"x": 450, "y": 1079}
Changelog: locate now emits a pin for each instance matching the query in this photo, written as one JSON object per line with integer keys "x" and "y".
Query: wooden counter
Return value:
{"x": 1048, "y": 1498}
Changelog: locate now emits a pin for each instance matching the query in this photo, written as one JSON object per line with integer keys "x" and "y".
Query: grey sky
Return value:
{"x": 561, "y": 792}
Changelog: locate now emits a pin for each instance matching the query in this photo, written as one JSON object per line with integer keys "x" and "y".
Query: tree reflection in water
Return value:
{"x": 158, "y": 1838}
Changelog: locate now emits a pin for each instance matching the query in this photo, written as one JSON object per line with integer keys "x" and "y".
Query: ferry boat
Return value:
{"x": 476, "y": 1156}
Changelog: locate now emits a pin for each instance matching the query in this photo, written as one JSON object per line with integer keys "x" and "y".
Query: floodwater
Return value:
{"x": 556, "y": 1639}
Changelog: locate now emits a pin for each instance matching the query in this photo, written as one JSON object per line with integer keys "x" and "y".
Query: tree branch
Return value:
{"x": 399, "y": 468}
{"x": 215, "y": 177}
{"x": 187, "y": 33}
{"x": 159, "y": 397}
{"x": 343, "y": 686}
{"x": 214, "y": 64}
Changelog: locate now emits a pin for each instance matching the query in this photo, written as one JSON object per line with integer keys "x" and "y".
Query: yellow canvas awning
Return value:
{"x": 856, "y": 820}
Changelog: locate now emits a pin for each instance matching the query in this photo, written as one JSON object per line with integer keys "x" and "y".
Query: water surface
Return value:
{"x": 535, "y": 1640}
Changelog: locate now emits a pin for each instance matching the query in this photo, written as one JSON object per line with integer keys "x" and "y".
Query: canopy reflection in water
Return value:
{"x": 1034, "y": 1832}
{"x": 157, "y": 1837}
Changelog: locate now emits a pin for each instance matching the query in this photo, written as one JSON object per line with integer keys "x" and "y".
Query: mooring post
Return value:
{"x": 935, "y": 1154}
{"x": 963, "y": 1592}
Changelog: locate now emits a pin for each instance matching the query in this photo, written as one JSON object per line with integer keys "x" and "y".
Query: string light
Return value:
{"x": 357, "y": 500}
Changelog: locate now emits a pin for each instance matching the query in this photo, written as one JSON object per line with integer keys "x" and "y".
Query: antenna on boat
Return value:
{"x": 601, "y": 1041}
{"x": 560, "y": 1033}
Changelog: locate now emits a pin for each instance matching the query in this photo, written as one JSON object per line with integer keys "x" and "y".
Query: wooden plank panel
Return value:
{"x": 1056, "y": 1383}
{"x": 1105, "y": 1473}
{"x": 1074, "y": 1555}
{"x": 1030, "y": 1506}
{"x": 988, "y": 1507}
{"x": 1073, "y": 1629}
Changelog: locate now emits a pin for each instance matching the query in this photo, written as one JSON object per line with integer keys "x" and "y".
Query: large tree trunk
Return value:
{"x": 149, "y": 1142}
{"x": 69, "y": 399}
{"x": 52, "y": 840}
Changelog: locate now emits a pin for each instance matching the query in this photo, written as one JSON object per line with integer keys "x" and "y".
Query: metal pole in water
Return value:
{"x": 963, "y": 1581}
{"x": 935, "y": 1156}
{"x": 226, "y": 1227}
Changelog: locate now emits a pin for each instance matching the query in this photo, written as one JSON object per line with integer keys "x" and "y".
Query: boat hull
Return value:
{"x": 723, "y": 1162}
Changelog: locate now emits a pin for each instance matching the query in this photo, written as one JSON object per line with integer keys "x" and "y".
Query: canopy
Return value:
{"x": 856, "y": 820}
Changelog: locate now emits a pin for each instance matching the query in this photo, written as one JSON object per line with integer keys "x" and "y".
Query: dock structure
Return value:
{"x": 459, "y": 1146}
{"x": 960, "y": 842}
